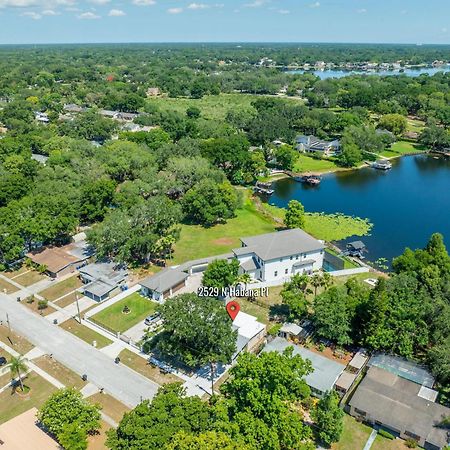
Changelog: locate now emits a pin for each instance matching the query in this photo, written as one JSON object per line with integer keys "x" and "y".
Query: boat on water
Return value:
{"x": 382, "y": 164}
{"x": 313, "y": 180}
{"x": 263, "y": 188}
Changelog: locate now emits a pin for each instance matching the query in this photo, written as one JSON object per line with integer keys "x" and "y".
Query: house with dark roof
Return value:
{"x": 402, "y": 407}
{"x": 311, "y": 144}
{"x": 280, "y": 255}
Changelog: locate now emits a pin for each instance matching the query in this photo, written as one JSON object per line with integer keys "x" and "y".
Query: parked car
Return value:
{"x": 2, "y": 361}
{"x": 151, "y": 319}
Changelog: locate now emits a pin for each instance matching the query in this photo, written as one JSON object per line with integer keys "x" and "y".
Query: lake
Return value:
{"x": 406, "y": 204}
{"x": 339, "y": 73}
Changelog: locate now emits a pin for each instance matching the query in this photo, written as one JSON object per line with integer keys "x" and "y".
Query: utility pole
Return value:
{"x": 78, "y": 307}
{"x": 7, "y": 321}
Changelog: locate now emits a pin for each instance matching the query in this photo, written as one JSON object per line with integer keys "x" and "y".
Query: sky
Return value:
{"x": 86, "y": 21}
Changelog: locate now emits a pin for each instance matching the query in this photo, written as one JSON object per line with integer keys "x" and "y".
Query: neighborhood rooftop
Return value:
{"x": 164, "y": 280}
{"x": 279, "y": 244}
{"x": 394, "y": 402}
{"x": 326, "y": 371}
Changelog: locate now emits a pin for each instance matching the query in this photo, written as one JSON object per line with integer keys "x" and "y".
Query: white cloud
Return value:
{"x": 256, "y": 4}
{"x": 143, "y": 2}
{"x": 361, "y": 11}
{"x": 116, "y": 13}
{"x": 199, "y": 6}
{"x": 100, "y": 2}
{"x": 88, "y": 16}
{"x": 44, "y": 4}
{"x": 444, "y": 30}
{"x": 32, "y": 15}
{"x": 175, "y": 10}
{"x": 284, "y": 11}
{"x": 315, "y": 5}
{"x": 50, "y": 12}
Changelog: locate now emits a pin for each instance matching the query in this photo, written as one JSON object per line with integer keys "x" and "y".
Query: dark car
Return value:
{"x": 2, "y": 361}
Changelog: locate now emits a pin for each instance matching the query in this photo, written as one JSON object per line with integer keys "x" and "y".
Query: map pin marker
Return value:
{"x": 233, "y": 309}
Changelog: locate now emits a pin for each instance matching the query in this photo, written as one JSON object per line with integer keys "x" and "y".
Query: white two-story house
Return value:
{"x": 277, "y": 256}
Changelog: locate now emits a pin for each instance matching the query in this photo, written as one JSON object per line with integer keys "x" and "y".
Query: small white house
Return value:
{"x": 311, "y": 144}
{"x": 280, "y": 255}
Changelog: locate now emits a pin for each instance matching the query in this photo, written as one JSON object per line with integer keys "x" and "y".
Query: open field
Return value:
{"x": 57, "y": 290}
{"x": 114, "y": 317}
{"x": 305, "y": 163}
{"x": 29, "y": 278}
{"x": 199, "y": 242}
{"x": 110, "y": 406}
{"x": 12, "y": 404}
{"x": 13, "y": 340}
{"x": 354, "y": 435}
{"x": 141, "y": 365}
{"x": 415, "y": 125}
{"x": 6, "y": 287}
{"x": 85, "y": 333}
{"x": 211, "y": 106}
{"x": 60, "y": 372}
{"x": 405, "y": 147}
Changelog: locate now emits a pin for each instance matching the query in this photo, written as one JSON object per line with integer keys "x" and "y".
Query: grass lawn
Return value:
{"x": 60, "y": 372}
{"x": 110, "y": 406}
{"x": 85, "y": 333}
{"x": 199, "y": 242}
{"x": 381, "y": 443}
{"x": 98, "y": 441}
{"x": 6, "y": 287}
{"x": 141, "y": 366}
{"x": 12, "y": 405}
{"x": 405, "y": 147}
{"x": 354, "y": 435}
{"x": 13, "y": 340}
{"x": 114, "y": 317}
{"x": 305, "y": 163}
{"x": 34, "y": 307}
{"x": 415, "y": 125}
{"x": 348, "y": 263}
{"x": 211, "y": 106}
{"x": 29, "y": 278}
{"x": 67, "y": 300}
{"x": 15, "y": 273}
{"x": 57, "y": 290}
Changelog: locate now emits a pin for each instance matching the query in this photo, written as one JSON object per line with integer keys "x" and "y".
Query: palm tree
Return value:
{"x": 244, "y": 278}
{"x": 327, "y": 280}
{"x": 316, "y": 281}
{"x": 16, "y": 367}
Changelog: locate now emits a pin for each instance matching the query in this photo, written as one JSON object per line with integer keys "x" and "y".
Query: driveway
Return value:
{"x": 121, "y": 382}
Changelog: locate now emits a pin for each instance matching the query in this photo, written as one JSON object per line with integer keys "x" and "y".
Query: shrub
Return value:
{"x": 30, "y": 299}
{"x": 411, "y": 443}
{"x": 386, "y": 434}
{"x": 273, "y": 331}
{"x": 42, "y": 304}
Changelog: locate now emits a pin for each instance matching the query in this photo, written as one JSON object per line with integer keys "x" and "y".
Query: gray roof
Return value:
{"x": 165, "y": 280}
{"x": 99, "y": 288}
{"x": 357, "y": 245}
{"x": 326, "y": 371}
{"x": 104, "y": 271}
{"x": 279, "y": 244}
{"x": 291, "y": 328}
{"x": 403, "y": 368}
{"x": 250, "y": 264}
{"x": 358, "y": 360}
{"x": 394, "y": 402}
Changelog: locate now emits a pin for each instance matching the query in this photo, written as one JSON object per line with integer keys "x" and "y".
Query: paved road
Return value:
{"x": 121, "y": 382}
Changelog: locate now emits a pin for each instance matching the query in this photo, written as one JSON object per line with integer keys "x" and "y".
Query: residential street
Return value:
{"x": 121, "y": 382}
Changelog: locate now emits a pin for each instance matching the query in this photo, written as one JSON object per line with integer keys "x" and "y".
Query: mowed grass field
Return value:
{"x": 113, "y": 317}
{"x": 211, "y": 106}
{"x": 305, "y": 163}
{"x": 354, "y": 435}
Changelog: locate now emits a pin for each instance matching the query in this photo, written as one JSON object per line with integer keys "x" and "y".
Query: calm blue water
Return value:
{"x": 406, "y": 204}
{"x": 325, "y": 74}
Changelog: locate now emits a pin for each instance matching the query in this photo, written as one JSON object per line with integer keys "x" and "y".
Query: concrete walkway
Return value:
{"x": 371, "y": 440}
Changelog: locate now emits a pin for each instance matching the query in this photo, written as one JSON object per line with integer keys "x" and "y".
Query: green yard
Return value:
{"x": 211, "y": 106}
{"x": 405, "y": 147}
{"x": 381, "y": 443}
{"x": 415, "y": 125}
{"x": 199, "y": 242}
{"x": 116, "y": 319}
{"x": 11, "y": 404}
{"x": 29, "y": 278}
{"x": 64, "y": 287}
{"x": 305, "y": 163}
{"x": 354, "y": 435}
{"x": 85, "y": 333}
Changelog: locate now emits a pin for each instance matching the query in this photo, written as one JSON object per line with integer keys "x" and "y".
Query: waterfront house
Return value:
{"x": 278, "y": 256}
{"x": 311, "y": 144}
